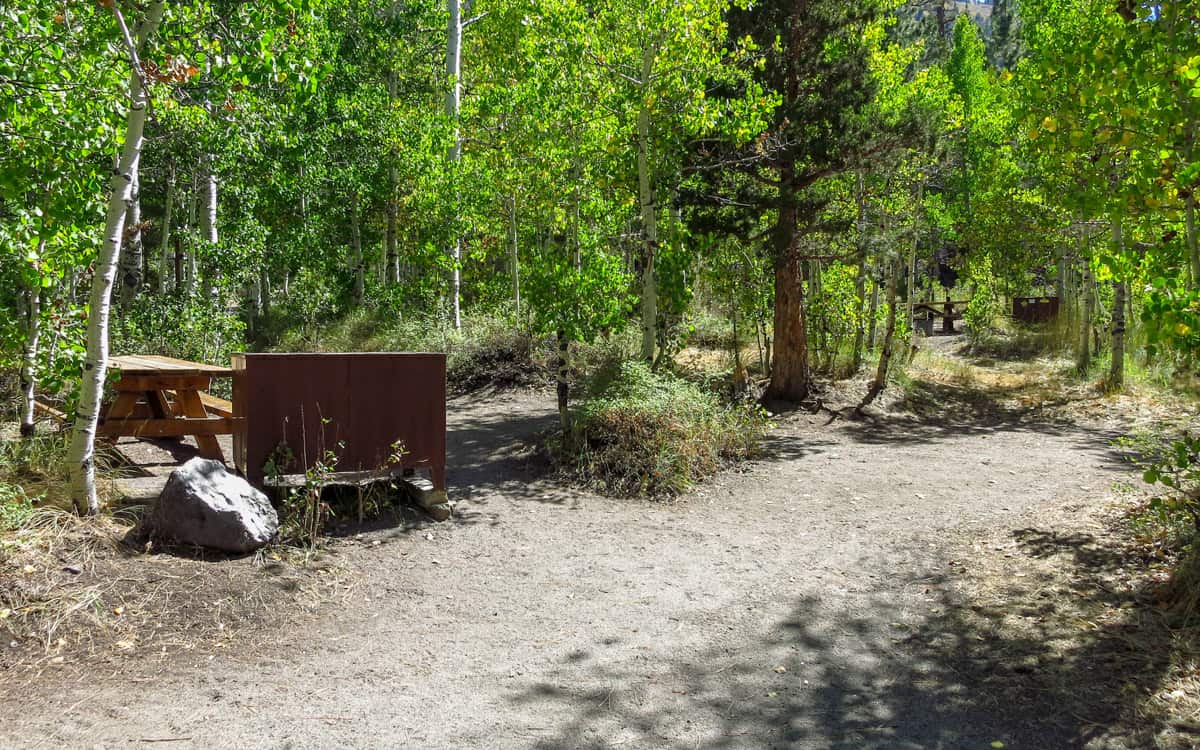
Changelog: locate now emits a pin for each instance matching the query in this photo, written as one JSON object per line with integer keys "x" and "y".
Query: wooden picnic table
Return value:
{"x": 948, "y": 310}
{"x": 167, "y": 398}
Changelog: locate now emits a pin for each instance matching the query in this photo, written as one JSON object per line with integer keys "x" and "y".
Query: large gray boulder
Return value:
{"x": 206, "y": 505}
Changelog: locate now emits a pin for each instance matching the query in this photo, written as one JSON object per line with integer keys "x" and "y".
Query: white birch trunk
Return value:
{"x": 889, "y": 338}
{"x": 1084, "y": 359}
{"x": 873, "y": 315}
{"x": 391, "y": 257}
{"x": 1116, "y": 371}
{"x": 208, "y": 225}
{"x": 454, "y": 31}
{"x": 131, "y": 247}
{"x": 1189, "y": 216}
{"x": 81, "y": 458}
{"x": 264, "y": 288}
{"x": 649, "y": 216}
{"x": 189, "y": 260}
{"x": 514, "y": 253}
{"x": 164, "y": 246}
{"x": 356, "y": 252}
{"x": 860, "y": 281}
{"x": 33, "y": 330}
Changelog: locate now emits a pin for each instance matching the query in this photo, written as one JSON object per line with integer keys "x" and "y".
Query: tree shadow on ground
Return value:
{"x": 496, "y": 454}
{"x": 924, "y": 668}
{"x": 933, "y": 412}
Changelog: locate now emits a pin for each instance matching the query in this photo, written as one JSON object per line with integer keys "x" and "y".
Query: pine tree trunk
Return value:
{"x": 889, "y": 336}
{"x": 649, "y": 218}
{"x": 789, "y": 367}
{"x": 81, "y": 458}
{"x": 33, "y": 330}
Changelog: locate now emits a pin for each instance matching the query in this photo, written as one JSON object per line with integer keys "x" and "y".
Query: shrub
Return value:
{"x": 493, "y": 351}
{"x": 985, "y": 305}
{"x": 649, "y": 433}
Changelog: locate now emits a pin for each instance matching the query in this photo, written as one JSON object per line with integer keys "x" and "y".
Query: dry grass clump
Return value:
{"x": 73, "y": 589}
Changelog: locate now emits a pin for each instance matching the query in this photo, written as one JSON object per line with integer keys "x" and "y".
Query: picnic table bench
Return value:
{"x": 167, "y": 397}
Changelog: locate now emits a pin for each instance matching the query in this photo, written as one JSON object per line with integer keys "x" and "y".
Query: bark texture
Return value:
{"x": 454, "y": 30}
{"x": 28, "y": 377}
{"x": 1116, "y": 370}
{"x": 81, "y": 458}
{"x": 789, "y": 368}
{"x": 649, "y": 219}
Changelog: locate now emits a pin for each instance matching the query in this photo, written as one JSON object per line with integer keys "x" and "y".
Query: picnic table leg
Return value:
{"x": 122, "y": 408}
{"x": 158, "y": 404}
{"x": 193, "y": 407}
{"x": 161, "y": 409}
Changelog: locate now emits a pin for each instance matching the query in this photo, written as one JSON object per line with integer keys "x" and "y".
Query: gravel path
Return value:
{"x": 806, "y": 601}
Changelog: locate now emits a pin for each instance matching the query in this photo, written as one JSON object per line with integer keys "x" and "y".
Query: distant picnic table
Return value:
{"x": 167, "y": 397}
{"x": 948, "y": 310}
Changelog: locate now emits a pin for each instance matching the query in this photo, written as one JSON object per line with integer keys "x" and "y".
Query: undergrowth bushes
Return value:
{"x": 32, "y": 473}
{"x": 489, "y": 350}
{"x": 642, "y": 432}
{"x": 196, "y": 331}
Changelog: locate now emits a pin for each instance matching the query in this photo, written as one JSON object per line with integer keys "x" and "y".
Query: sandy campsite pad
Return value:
{"x": 865, "y": 584}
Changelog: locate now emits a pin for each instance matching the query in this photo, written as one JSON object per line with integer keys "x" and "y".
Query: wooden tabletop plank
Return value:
{"x": 152, "y": 364}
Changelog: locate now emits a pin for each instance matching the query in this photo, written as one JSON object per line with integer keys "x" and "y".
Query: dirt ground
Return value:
{"x": 898, "y": 582}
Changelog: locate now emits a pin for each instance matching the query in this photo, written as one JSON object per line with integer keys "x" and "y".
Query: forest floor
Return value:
{"x": 952, "y": 572}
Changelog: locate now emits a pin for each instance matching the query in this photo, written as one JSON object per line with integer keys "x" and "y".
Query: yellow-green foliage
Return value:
{"x": 985, "y": 304}
{"x": 833, "y": 314}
